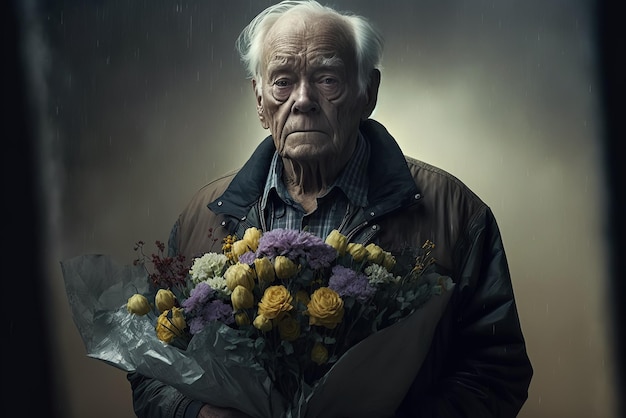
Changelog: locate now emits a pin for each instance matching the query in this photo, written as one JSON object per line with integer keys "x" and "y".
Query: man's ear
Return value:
{"x": 260, "y": 111}
{"x": 371, "y": 94}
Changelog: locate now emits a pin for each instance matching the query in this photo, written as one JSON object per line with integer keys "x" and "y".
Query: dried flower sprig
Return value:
{"x": 168, "y": 272}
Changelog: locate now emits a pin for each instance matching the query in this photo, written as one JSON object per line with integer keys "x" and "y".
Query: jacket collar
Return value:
{"x": 391, "y": 185}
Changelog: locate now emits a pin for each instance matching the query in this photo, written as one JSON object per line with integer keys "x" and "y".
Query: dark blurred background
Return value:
{"x": 117, "y": 111}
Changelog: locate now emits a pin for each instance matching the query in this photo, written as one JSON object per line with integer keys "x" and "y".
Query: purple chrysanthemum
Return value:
{"x": 321, "y": 255}
{"x": 294, "y": 245}
{"x": 347, "y": 282}
{"x": 247, "y": 258}
{"x": 196, "y": 324}
{"x": 198, "y": 297}
{"x": 215, "y": 310}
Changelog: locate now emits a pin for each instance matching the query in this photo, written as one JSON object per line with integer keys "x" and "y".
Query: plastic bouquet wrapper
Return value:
{"x": 277, "y": 324}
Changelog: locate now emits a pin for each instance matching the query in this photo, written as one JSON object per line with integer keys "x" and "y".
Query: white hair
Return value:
{"x": 368, "y": 42}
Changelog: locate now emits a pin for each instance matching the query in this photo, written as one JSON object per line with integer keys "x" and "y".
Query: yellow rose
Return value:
{"x": 338, "y": 241}
{"x": 358, "y": 251}
{"x": 242, "y": 319}
{"x": 165, "y": 300}
{"x": 319, "y": 353}
{"x": 138, "y": 304}
{"x": 251, "y": 237}
{"x": 239, "y": 274}
{"x": 170, "y": 324}
{"x": 275, "y": 301}
{"x": 264, "y": 270}
{"x": 284, "y": 267}
{"x": 262, "y": 323}
{"x": 289, "y": 328}
{"x": 238, "y": 248}
{"x": 325, "y": 308}
{"x": 376, "y": 254}
{"x": 389, "y": 261}
{"x": 302, "y": 297}
{"x": 242, "y": 298}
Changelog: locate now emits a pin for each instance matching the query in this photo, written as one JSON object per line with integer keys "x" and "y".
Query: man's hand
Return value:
{"x": 208, "y": 411}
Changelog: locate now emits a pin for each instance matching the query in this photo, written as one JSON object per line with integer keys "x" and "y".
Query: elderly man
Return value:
{"x": 328, "y": 166}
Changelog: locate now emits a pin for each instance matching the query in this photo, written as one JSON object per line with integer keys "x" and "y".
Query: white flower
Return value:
{"x": 208, "y": 266}
{"x": 377, "y": 275}
{"x": 219, "y": 285}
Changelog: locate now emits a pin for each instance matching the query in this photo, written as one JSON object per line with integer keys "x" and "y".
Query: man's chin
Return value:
{"x": 307, "y": 137}
{"x": 307, "y": 152}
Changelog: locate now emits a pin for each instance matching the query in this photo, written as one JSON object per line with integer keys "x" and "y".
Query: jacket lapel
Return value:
{"x": 391, "y": 185}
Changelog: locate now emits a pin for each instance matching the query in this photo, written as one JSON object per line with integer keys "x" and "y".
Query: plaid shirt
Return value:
{"x": 348, "y": 191}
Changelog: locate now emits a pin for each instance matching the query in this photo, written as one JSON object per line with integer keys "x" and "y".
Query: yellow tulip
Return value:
{"x": 239, "y": 274}
{"x": 164, "y": 300}
{"x": 284, "y": 267}
{"x": 264, "y": 270}
{"x": 242, "y": 319}
{"x": 262, "y": 323}
{"x": 357, "y": 251}
{"x": 238, "y": 249}
{"x": 338, "y": 241}
{"x": 138, "y": 304}
{"x": 376, "y": 254}
{"x": 242, "y": 298}
{"x": 251, "y": 237}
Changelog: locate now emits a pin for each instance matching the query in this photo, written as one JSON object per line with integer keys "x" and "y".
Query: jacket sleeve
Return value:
{"x": 484, "y": 369}
{"x": 152, "y": 398}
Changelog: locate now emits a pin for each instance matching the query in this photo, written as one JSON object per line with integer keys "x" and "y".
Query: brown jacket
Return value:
{"x": 477, "y": 365}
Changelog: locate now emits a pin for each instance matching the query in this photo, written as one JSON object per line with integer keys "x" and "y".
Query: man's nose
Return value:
{"x": 305, "y": 99}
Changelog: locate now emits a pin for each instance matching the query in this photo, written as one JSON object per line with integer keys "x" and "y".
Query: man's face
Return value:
{"x": 309, "y": 96}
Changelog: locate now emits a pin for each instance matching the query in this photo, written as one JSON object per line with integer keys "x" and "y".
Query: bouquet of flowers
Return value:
{"x": 280, "y": 323}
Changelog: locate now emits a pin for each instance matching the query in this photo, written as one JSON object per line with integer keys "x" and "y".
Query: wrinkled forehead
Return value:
{"x": 318, "y": 39}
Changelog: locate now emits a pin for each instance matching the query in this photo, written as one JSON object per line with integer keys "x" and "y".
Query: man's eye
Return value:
{"x": 282, "y": 83}
{"x": 281, "y": 88}
{"x": 330, "y": 87}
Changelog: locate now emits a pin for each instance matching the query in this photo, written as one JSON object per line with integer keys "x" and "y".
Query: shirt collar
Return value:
{"x": 352, "y": 181}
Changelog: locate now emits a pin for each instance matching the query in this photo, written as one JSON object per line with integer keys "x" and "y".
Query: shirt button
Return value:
{"x": 374, "y": 227}
{"x": 372, "y": 213}
{"x": 223, "y": 223}
{"x": 219, "y": 203}
{"x": 418, "y": 196}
